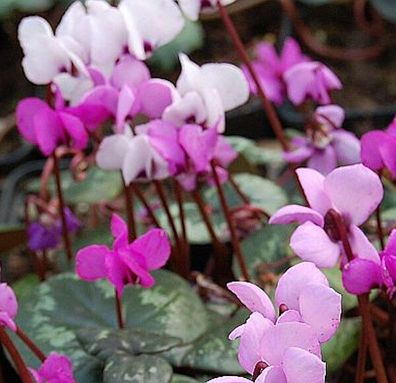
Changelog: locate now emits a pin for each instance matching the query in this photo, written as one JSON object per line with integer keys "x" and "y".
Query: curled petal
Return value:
{"x": 253, "y": 298}
{"x": 311, "y": 243}
{"x": 91, "y": 262}
{"x": 296, "y": 213}
{"x": 290, "y": 316}
{"x": 361, "y": 246}
{"x": 272, "y": 374}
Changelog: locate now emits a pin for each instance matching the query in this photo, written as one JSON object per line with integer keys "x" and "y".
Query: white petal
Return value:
{"x": 112, "y": 152}
{"x": 190, "y": 8}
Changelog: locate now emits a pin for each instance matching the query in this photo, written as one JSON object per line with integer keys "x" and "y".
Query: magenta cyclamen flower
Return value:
{"x": 378, "y": 149}
{"x": 270, "y": 68}
{"x": 354, "y": 192}
{"x": 8, "y": 306}
{"x": 310, "y": 80}
{"x": 326, "y": 145}
{"x": 302, "y": 295}
{"x": 126, "y": 263}
{"x": 56, "y": 368}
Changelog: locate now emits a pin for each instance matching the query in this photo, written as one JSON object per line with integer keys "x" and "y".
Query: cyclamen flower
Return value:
{"x": 49, "y": 128}
{"x": 353, "y": 192}
{"x": 45, "y": 236}
{"x": 56, "y": 368}
{"x": 310, "y": 80}
{"x": 8, "y": 307}
{"x": 302, "y": 295}
{"x": 206, "y": 93}
{"x": 326, "y": 145}
{"x": 192, "y": 8}
{"x": 288, "y": 352}
{"x": 126, "y": 263}
{"x": 154, "y": 153}
{"x": 270, "y": 67}
{"x": 378, "y": 149}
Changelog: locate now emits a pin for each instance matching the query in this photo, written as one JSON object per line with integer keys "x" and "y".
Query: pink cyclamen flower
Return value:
{"x": 56, "y": 368}
{"x": 154, "y": 153}
{"x": 8, "y": 307}
{"x": 310, "y": 80}
{"x": 270, "y": 67}
{"x": 192, "y": 8}
{"x": 302, "y": 295}
{"x": 326, "y": 145}
{"x": 354, "y": 192}
{"x": 126, "y": 263}
{"x": 378, "y": 149}
{"x": 287, "y": 352}
{"x": 206, "y": 93}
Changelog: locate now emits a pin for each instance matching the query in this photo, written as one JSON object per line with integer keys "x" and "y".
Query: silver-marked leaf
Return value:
{"x": 137, "y": 369}
{"x": 182, "y": 379}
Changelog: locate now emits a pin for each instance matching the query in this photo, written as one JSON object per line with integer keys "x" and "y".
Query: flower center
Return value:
{"x": 260, "y": 367}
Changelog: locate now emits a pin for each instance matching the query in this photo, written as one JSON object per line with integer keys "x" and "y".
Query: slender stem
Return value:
{"x": 130, "y": 209}
{"x": 118, "y": 306}
{"x": 364, "y": 304}
{"x": 362, "y": 357}
{"x": 30, "y": 344}
{"x": 231, "y": 224}
{"x": 380, "y": 231}
{"x": 180, "y": 263}
{"x": 182, "y": 216}
{"x": 139, "y": 194}
{"x": 65, "y": 233}
{"x": 268, "y": 107}
{"x": 16, "y": 357}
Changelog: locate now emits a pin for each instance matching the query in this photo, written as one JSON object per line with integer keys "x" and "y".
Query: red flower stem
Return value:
{"x": 30, "y": 344}
{"x": 364, "y": 305}
{"x": 180, "y": 263}
{"x": 20, "y": 365}
{"x": 362, "y": 357}
{"x": 231, "y": 224}
{"x": 380, "y": 231}
{"x": 118, "y": 306}
{"x": 268, "y": 107}
{"x": 65, "y": 233}
{"x": 140, "y": 195}
{"x": 182, "y": 216}
{"x": 130, "y": 209}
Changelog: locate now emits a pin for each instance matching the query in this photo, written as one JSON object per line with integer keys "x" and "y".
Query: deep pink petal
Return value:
{"x": 294, "y": 280}
{"x": 390, "y": 264}
{"x": 25, "y": 112}
{"x": 370, "y": 152}
{"x": 391, "y": 244}
{"x": 76, "y": 131}
{"x": 296, "y": 213}
{"x": 254, "y": 298}
{"x": 57, "y": 368}
{"x": 155, "y": 248}
{"x": 320, "y": 307}
{"x": 388, "y": 150}
{"x": 355, "y": 191}
{"x": 119, "y": 274}
{"x": 301, "y": 366}
{"x": 291, "y": 54}
{"x": 313, "y": 184}
{"x": 361, "y": 275}
{"x": 138, "y": 272}
{"x": 118, "y": 226}
{"x": 311, "y": 243}
{"x": 91, "y": 262}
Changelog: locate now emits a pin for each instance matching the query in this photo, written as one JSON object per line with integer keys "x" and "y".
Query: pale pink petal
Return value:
{"x": 272, "y": 374}
{"x": 299, "y": 154}
{"x": 155, "y": 248}
{"x": 112, "y": 152}
{"x": 91, "y": 262}
{"x": 355, "y": 191}
{"x": 254, "y": 298}
{"x": 267, "y": 55}
{"x": 289, "y": 316}
{"x": 320, "y": 307}
{"x": 126, "y": 101}
{"x": 229, "y": 379}
{"x": 8, "y": 306}
{"x": 324, "y": 161}
{"x": 275, "y": 342}
{"x": 311, "y": 243}
{"x": 330, "y": 114}
{"x": 291, "y": 54}
{"x": 347, "y": 147}
{"x": 294, "y": 280}
{"x": 301, "y": 366}
{"x": 129, "y": 71}
{"x": 237, "y": 332}
{"x": 361, "y": 246}
{"x": 361, "y": 275}
{"x": 313, "y": 184}
{"x": 296, "y": 213}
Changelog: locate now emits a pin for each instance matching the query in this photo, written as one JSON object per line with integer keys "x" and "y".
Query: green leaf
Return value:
{"x": 386, "y": 8}
{"x": 267, "y": 245}
{"x": 334, "y": 276}
{"x": 182, "y": 379}
{"x": 138, "y": 369}
{"x": 190, "y": 39}
{"x": 86, "y": 191}
{"x": 103, "y": 343}
{"x": 261, "y": 192}
{"x": 64, "y": 305}
{"x": 342, "y": 346}
{"x": 24, "y": 287}
{"x": 214, "y": 351}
